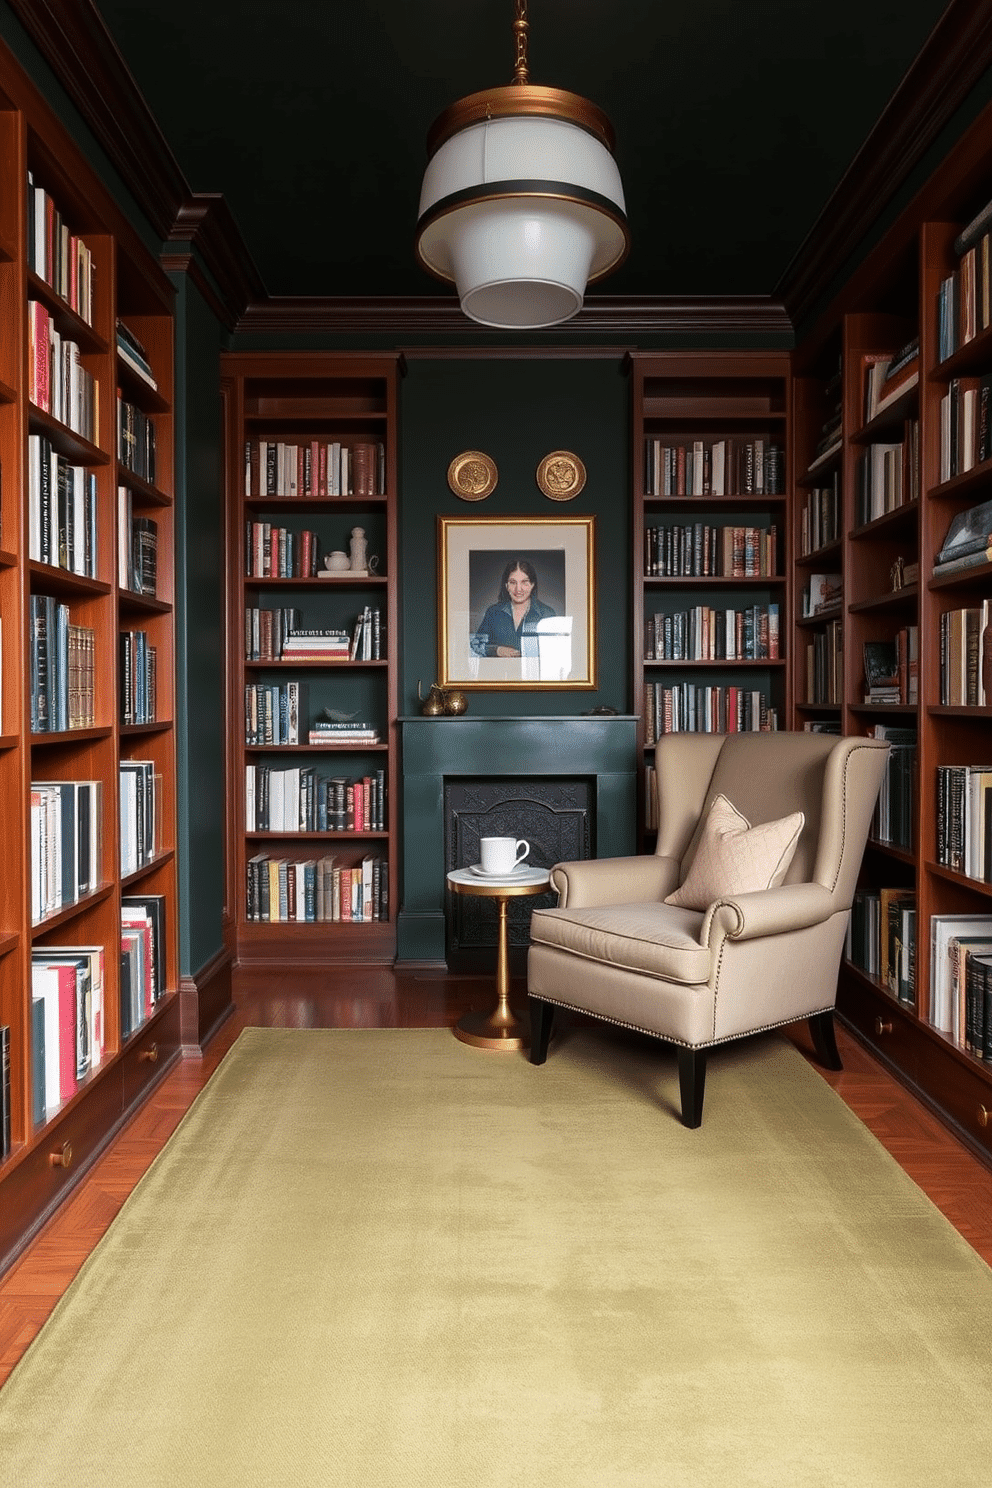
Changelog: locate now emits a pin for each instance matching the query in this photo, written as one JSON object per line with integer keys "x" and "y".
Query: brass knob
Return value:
{"x": 151, "y": 1054}
{"x": 62, "y": 1158}
{"x": 882, "y": 1027}
{"x": 983, "y": 1116}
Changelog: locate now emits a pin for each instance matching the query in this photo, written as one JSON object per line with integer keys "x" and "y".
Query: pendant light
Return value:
{"x": 521, "y": 204}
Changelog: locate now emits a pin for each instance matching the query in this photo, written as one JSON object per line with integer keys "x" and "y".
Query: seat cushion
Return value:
{"x": 732, "y": 857}
{"x": 656, "y": 940}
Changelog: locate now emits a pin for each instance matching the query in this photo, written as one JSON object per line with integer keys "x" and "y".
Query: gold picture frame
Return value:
{"x": 489, "y": 642}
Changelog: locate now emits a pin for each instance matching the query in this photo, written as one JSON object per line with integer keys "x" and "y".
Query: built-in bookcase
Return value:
{"x": 711, "y": 537}
{"x": 71, "y": 268}
{"x": 911, "y": 336}
{"x": 312, "y": 651}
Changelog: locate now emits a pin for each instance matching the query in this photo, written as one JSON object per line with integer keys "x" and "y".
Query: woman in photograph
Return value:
{"x": 513, "y": 618}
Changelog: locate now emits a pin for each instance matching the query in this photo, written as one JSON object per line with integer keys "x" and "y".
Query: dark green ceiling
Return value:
{"x": 734, "y": 120}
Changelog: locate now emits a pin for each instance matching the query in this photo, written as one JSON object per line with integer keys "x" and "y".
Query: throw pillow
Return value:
{"x": 732, "y": 857}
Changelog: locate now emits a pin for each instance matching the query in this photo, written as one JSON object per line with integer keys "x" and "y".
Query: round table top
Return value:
{"x": 524, "y": 881}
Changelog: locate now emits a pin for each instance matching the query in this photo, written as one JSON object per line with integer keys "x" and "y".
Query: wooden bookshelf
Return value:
{"x": 891, "y": 299}
{"x": 717, "y": 405}
{"x": 313, "y": 402}
{"x": 52, "y": 1146}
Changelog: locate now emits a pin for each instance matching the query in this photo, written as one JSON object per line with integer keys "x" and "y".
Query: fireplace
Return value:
{"x": 567, "y": 784}
{"x": 556, "y": 818}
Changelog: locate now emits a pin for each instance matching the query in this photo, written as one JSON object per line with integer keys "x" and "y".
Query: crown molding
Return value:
{"x": 205, "y": 243}
{"x": 74, "y": 41}
{"x": 951, "y": 63}
{"x": 624, "y": 319}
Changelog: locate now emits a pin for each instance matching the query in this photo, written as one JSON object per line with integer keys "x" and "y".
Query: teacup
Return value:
{"x": 498, "y": 855}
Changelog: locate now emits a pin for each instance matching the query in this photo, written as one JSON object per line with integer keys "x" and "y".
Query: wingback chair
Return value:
{"x": 760, "y": 839}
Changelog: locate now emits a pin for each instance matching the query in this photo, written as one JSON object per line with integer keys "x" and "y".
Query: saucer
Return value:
{"x": 515, "y": 872}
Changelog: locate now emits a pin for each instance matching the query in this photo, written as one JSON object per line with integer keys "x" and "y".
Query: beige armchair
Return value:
{"x": 729, "y": 962}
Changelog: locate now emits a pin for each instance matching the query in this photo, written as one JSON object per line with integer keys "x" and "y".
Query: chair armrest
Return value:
{"x": 594, "y": 881}
{"x": 768, "y": 912}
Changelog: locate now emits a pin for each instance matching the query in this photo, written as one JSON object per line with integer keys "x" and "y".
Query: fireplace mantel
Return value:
{"x": 602, "y": 748}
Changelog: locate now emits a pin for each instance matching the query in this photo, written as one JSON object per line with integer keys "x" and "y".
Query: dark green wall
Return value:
{"x": 516, "y": 411}
{"x": 199, "y": 630}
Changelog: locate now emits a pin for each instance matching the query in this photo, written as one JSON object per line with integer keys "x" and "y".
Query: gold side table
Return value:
{"x": 502, "y": 1028}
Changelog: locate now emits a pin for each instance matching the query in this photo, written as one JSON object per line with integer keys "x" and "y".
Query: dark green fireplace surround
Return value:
{"x": 601, "y": 750}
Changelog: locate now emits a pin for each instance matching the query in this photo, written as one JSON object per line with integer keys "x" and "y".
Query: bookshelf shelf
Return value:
{"x": 306, "y": 408}
{"x": 67, "y": 783}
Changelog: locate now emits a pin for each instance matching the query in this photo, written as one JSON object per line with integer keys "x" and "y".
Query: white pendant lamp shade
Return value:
{"x": 522, "y": 204}
{"x": 521, "y": 213}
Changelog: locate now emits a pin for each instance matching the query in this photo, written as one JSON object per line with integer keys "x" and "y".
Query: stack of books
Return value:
{"x": 968, "y": 541}
{"x": 316, "y": 645}
{"x": 334, "y": 733}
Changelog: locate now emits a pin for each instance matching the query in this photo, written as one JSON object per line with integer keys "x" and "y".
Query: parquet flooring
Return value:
{"x": 956, "y": 1182}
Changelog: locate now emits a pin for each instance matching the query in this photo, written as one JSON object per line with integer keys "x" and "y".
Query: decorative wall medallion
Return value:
{"x": 561, "y": 475}
{"x": 472, "y": 475}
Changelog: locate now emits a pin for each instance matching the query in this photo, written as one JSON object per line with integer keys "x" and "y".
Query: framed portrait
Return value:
{"x": 517, "y": 602}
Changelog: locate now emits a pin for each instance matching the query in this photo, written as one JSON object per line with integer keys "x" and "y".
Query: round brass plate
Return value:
{"x": 472, "y": 475}
{"x": 561, "y": 475}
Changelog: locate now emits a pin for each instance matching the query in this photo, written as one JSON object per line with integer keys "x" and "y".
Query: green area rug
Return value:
{"x": 384, "y": 1259}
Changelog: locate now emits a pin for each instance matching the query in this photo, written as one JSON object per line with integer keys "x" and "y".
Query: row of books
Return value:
{"x": 276, "y": 713}
{"x": 887, "y": 375}
{"x": 67, "y": 1023}
{"x": 138, "y": 676}
{"x": 699, "y": 550}
{"x": 965, "y": 425}
{"x": 892, "y": 668}
{"x": 893, "y": 818}
{"x": 887, "y": 476}
{"x": 267, "y": 629}
{"x": 143, "y": 966}
{"x": 56, "y": 254}
{"x": 58, "y": 382}
{"x": 705, "y": 634}
{"x": 62, "y": 663}
{"x": 881, "y": 939}
{"x": 691, "y": 708}
{"x": 140, "y": 791}
{"x": 135, "y": 439}
{"x": 964, "y": 819}
{"x": 65, "y": 842}
{"x": 963, "y": 298}
{"x": 62, "y": 510}
{"x": 825, "y": 665}
{"x": 133, "y": 355}
{"x": 137, "y": 547}
{"x": 820, "y": 517}
{"x": 721, "y": 467}
{"x": 315, "y": 890}
{"x": 68, "y": 995}
{"x": 279, "y": 552}
{"x": 297, "y": 799}
{"x": 960, "y": 986}
{"x": 830, "y": 437}
{"x": 966, "y": 656}
{"x": 314, "y": 468}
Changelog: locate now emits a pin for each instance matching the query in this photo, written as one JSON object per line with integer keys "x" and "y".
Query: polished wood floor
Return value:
{"x": 380, "y": 998}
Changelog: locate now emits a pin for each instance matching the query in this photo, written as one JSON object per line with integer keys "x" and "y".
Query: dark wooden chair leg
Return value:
{"x": 821, "y": 1027}
{"x": 692, "y": 1082}
{"x": 542, "y": 1015}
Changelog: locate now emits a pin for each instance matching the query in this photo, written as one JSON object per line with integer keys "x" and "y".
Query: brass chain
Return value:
{"x": 520, "y": 32}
